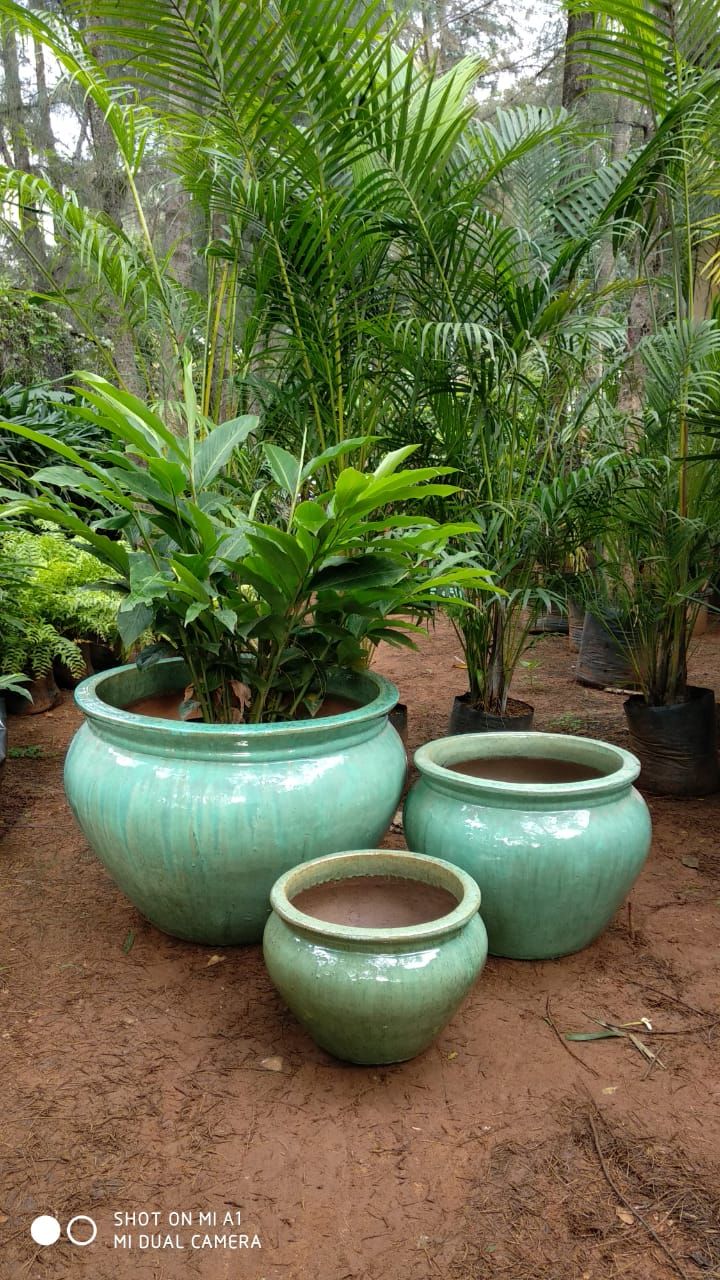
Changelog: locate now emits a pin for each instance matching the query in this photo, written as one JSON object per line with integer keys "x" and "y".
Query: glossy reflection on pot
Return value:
{"x": 374, "y": 951}
{"x": 549, "y": 825}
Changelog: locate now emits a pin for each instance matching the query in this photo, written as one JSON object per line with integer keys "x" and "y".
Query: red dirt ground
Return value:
{"x": 165, "y": 1080}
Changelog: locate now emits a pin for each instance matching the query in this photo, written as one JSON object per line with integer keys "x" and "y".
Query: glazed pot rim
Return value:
{"x": 87, "y": 698}
{"x": 432, "y": 758}
{"x": 304, "y": 876}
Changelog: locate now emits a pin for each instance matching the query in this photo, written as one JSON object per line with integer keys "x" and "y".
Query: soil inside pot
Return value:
{"x": 375, "y": 902}
{"x": 166, "y": 706}
{"x": 527, "y": 769}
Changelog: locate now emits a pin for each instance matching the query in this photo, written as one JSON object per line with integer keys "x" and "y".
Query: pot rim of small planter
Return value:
{"x": 432, "y": 761}
{"x": 405, "y": 865}
{"x": 376, "y": 694}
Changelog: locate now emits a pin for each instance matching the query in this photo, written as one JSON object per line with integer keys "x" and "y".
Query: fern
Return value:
{"x": 36, "y": 647}
{"x": 63, "y": 585}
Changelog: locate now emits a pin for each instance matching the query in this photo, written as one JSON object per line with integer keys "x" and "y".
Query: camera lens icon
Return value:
{"x": 46, "y": 1230}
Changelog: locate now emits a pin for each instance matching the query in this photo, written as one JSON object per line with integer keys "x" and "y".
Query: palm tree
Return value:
{"x": 665, "y": 57}
{"x": 344, "y": 188}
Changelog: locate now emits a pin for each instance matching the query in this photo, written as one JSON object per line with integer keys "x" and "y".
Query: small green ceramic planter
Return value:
{"x": 554, "y": 860}
{"x": 374, "y": 995}
{"x": 195, "y": 822}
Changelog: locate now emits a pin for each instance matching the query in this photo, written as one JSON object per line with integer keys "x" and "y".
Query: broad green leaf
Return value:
{"x": 285, "y": 542}
{"x": 358, "y": 572}
{"x": 234, "y": 545}
{"x": 143, "y": 487}
{"x": 170, "y": 475}
{"x": 194, "y": 610}
{"x": 141, "y": 569}
{"x": 353, "y": 445}
{"x": 54, "y": 446}
{"x": 190, "y": 582}
{"x": 131, "y": 415}
{"x": 228, "y": 618}
{"x": 349, "y": 486}
{"x": 274, "y": 566}
{"x": 284, "y": 468}
{"x": 311, "y": 516}
{"x": 132, "y": 621}
{"x": 218, "y": 447}
{"x": 265, "y": 587}
{"x": 392, "y": 461}
{"x": 67, "y": 478}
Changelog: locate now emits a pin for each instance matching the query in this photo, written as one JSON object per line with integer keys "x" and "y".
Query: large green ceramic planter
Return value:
{"x": 374, "y": 995}
{"x": 554, "y": 861}
{"x": 195, "y": 822}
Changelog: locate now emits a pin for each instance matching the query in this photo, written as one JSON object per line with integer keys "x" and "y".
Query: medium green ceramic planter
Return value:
{"x": 374, "y": 995}
{"x": 196, "y": 822}
{"x": 554, "y": 861}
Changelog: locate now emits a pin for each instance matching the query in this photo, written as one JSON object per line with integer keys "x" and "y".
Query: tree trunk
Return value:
{"x": 45, "y": 137}
{"x": 576, "y": 69}
{"x": 15, "y": 115}
{"x": 427, "y": 30}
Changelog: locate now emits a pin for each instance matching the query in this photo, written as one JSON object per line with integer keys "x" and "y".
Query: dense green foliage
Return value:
{"x": 49, "y": 600}
{"x": 261, "y": 610}
{"x": 523, "y": 298}
{"x": 64, "y": 584}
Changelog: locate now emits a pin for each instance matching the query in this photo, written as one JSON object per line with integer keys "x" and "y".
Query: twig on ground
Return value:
{"x": 552, "y": 1023}
{"x": 704, "y": 1013}
{"x": 628, "y": 1205}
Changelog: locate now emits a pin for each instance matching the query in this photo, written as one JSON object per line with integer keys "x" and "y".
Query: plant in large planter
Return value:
{"x": 663, "y": 561}
{"x": 522, "y": 516}
{"x": 664, "y": 60}
{"x": 269, "y": 619}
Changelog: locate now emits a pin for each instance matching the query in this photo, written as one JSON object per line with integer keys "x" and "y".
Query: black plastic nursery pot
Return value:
{"x": 398, "y": 718}
{"x": 676, "y": 745}
{"x": 98, "y": 657}
{"x": 3, "y": 734}
{"x": 602, "y": 663}
{"x": 44, "y": 692}
{"x": 550, "y": 623}
{"x": 576, "y": 623}
{"x": 465, "y": 718}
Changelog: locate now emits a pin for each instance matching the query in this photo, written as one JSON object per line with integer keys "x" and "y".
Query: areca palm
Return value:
{"x": 664, "y": 56}
{"x": 345, "y": 190}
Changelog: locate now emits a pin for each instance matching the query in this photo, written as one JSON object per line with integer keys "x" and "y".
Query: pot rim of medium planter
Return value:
{"x": 621, "y": 766}
{"x": 287, "y": 738}
{"x": 367, "y": 862}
